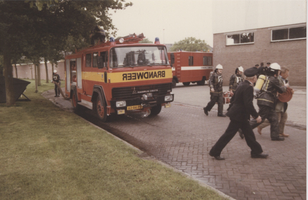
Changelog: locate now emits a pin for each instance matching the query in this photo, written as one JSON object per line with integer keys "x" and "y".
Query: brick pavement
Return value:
{"x": 182, "y": 136}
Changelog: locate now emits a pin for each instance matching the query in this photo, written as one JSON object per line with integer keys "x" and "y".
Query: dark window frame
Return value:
{"x": 207, "y": 61}
{"x": 104, "y": 56}
{"x": 95, "y": 59}
{"x": 88, "y": 56}
{"x": 191, "y": 60}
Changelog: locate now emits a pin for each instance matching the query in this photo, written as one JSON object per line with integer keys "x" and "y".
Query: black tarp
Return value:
{"x": 19, "y": 87}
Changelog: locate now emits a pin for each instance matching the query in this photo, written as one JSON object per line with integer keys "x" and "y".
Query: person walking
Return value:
{"x": 236, "y": 79}
{"x": 56, "y": 81}
{"x": 266, "y": 100}
{"x": 239, "y": 111}
{"x": 215, "y": 83}
{"x": 281, "y": 107}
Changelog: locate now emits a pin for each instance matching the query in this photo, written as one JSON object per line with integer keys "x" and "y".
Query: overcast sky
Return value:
{"x": 173, "y": 20}
{"x": 170, "y": 20}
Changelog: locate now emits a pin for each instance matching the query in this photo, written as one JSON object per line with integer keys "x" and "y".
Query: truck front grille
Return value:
{"x": 131, "y": 92}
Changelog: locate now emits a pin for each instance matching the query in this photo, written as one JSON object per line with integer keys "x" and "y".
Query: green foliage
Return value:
{"x": 40, "y": 28}
{"x": 190, "y": 44}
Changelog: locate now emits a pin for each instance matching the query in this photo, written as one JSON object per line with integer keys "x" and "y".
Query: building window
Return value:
{"x": 289, "y": 33}
{"x": 88, "y": 60}
{"x": 207, "y": 61}
{"x": 191, "y": 61}
{"x": 241, "y": 38}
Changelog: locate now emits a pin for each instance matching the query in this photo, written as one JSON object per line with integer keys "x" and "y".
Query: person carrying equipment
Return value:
{"x": 216, "y": 92}
{"x": 267, "y": 99}
{"x": 236, "y": 79}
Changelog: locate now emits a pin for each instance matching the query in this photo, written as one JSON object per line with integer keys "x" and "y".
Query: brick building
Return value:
{"x": 276, "y": 35}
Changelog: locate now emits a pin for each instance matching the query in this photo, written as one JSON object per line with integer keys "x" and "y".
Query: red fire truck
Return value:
{"x": 120, "y": 76}
{"x": 190, "y": 67}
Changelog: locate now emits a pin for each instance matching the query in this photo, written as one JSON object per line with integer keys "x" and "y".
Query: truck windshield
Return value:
{"x": 136, "y": 56}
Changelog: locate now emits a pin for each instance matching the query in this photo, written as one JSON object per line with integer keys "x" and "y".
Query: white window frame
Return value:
{"x": 288, "y": 39}
{"x": 239, "y": 33}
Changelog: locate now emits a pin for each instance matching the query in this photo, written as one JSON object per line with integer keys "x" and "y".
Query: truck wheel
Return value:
{"x": 155, "y": 110}
{"x": 186, "y": 83}
{"x": 100, "y": 108}
{"x": 75, "y": 105}
{"x": 173, "y": 83}
{"x": 201, "y": 82}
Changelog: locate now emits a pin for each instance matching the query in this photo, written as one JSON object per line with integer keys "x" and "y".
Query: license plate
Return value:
{"x": 121, "y": 112}
{"x": 136, "y": 107}
{"x": 167, "y": 105}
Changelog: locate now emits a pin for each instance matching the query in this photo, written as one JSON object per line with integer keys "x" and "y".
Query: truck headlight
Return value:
{"x": 120, "y": 104}
{"x": 168, "y": 97}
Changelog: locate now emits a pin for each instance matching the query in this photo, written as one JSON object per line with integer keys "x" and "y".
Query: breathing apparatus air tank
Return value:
{"x": 259, "y": 83}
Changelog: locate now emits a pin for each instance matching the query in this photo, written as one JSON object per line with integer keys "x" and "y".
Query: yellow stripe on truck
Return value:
{"x": 93, "y": 76}
{"x": 120, "y": 77}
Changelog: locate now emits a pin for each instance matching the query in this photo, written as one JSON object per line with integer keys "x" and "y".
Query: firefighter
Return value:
{"x": 98, "y": 35}
{"x": 239, "y": 112}
{"x": 56, "y": 80}
{"x": 216, "y": 92}
{"x": 235, "y": 79}
{"x": 263, "y": 69}
{"x": 267, "y": 99}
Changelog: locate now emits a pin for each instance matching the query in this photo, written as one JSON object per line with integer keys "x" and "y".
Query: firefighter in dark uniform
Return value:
{"x": 239, "y": 111}
{"x": 98, "y": 35}
{"x": 56, "y": 79}
{"x": 216, "y": 92}
{"x": 267, "y": 99}
{"x": 236, "y": 79}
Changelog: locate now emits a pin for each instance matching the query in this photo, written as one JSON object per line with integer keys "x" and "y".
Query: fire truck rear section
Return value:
{"x": 190, "y": 67}
{"x": 119, "y": 77}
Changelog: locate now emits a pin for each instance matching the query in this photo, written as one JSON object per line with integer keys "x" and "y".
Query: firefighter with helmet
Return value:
{"x": 236, "y": 79}
{"x": 56, "y": 81}
{"x": 267, "y": 99}
{"x": 215, "y": 83}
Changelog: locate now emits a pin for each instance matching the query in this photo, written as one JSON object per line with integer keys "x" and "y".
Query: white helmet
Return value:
{"x": 241, "y": 69}
{"x": 54, "y": 71}
{"x": 275, "y": 67}
{"x": 219, "y": 66}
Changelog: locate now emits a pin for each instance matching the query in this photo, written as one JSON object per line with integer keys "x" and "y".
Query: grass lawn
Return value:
{"x": 48, "y": 153}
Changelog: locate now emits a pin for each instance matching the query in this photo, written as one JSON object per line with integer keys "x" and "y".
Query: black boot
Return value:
{"x": 206, "y": 111}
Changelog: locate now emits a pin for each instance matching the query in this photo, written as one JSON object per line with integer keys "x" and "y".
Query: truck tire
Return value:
{"x": 155, "y": 110}
{"x": 76, "y": 106}
{"x": 100, "y": 108}
{"x": 201, "y": 82}
{"x": 186, "y": 83}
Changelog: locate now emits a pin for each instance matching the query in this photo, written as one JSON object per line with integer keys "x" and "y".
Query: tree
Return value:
{"x": 190, "y": 44}
{"x": 28, "y": 28}
{"x": 1, "y": 65}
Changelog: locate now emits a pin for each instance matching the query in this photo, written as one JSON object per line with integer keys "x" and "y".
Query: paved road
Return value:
{"x": 182, "y": 136}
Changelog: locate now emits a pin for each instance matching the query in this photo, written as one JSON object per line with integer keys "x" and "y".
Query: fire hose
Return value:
{"x": 62, "y": 93}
